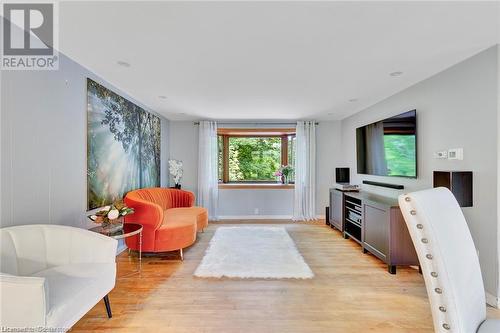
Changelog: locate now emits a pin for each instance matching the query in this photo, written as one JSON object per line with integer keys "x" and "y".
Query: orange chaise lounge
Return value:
{"x": 169, "y": 219}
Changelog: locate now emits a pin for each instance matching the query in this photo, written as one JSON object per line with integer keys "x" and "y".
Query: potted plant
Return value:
{"x": 285, "y": 171}
{"x": 279, "y": 176}
{"x": 112, "y": 214}
{"x": 175, "y": 169}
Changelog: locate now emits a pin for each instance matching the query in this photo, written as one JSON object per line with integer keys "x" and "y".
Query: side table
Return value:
{"x": 127, "y": 230}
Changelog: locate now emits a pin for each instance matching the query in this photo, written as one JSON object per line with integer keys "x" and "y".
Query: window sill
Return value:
{"x": 254, "y": 186}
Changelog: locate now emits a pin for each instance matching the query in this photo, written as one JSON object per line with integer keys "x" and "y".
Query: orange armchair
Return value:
{"x": 169, "y": 220}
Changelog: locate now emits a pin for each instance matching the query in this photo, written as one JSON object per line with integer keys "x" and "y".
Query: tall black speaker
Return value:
{"x": 342, "y": 175}
{"x": 327, "y": 215}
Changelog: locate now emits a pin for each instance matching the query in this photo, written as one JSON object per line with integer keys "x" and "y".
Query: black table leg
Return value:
{"x": 108, "y": 307}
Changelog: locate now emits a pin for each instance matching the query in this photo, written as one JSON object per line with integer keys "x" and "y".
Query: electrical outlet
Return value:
{"x": 456, "y": 154}
{"x": 256, "y": 211}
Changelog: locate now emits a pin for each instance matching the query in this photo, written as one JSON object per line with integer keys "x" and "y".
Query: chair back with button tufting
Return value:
{"x": 449, "y": 261}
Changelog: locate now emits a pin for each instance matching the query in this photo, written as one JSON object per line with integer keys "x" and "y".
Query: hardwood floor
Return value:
{"x": 351, "y": 292}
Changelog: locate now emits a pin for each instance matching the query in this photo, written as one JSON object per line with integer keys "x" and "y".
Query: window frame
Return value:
{"x": 227, "y": 133}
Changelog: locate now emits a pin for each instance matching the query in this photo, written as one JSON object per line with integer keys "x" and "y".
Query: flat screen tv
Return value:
{"x": 388, "y": 147}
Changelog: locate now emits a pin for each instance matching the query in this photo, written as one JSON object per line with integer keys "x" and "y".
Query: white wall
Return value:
{"x": 272, "y": 203}
{"x": 328, "y": 157}
{"x": 498, "y": 173}
{"x": 44, "y": 148}
{"x": 242, "y": 203}
{"x": 184, "y": 146}
{"x": 455, "y": 108}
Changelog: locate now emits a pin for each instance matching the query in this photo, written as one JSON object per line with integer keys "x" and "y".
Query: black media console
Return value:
{"x": 376, "y": 223}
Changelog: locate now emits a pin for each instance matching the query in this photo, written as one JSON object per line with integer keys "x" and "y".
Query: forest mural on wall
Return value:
{"x": 123, "y": 146}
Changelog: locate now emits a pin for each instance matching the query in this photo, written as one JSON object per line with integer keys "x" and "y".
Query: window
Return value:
{"x": 254, "y": 155}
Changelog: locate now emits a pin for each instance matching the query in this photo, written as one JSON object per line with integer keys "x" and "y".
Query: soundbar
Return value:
{"x": 394, "y": 186}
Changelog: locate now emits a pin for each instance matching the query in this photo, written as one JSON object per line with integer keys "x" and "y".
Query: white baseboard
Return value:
{"x": 256, "y": 217}
{"x": 492, "y": 300}
{"x": 261, "y": 217}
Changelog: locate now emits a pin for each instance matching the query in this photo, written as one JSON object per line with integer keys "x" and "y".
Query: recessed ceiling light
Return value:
{"x": 396, "y": 73}
{"x": 162, "y": 97}
{"x": 353, "y": 100}
{"x": 123, "y": 63}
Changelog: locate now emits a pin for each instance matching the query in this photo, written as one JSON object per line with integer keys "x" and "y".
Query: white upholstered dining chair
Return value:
{"x": 51, "y": 275}
{"x": 449, "y": 261}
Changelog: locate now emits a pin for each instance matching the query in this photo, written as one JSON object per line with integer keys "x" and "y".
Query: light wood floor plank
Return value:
{"x": 351, "y": 292}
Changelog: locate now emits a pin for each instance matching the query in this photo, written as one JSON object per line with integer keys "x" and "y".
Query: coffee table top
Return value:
{"x": 118, "y": 231}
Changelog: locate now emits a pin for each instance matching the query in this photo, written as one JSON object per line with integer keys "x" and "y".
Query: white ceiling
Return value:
{"x": 271, "y": 60}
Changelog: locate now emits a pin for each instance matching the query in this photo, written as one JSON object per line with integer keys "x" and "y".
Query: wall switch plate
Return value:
{"x": 256, "y": 211}
{"x": 441, "y": 154}
{"x": 456, "y": 154}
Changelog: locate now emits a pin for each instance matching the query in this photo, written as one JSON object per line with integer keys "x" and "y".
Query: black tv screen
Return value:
{"x": 388, "y": 147}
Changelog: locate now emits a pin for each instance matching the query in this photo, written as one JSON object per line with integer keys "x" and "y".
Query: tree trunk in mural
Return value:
{"x": 139, "y": 145}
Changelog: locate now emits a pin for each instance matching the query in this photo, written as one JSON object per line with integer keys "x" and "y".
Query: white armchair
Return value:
{"x": 449, "y": 261}
{"x": 52, "y": 275}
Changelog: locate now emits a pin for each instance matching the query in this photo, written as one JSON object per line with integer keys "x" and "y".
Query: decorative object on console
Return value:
{"x": 458, "y": 182}
{"x": 112, "y": 214}
{"x": 394, "y": 186}
{"x": 342, "y": 175}
{"x": 449, "y": 261}
{"x": 123, "y": 146}
{"x": 342, "y": 178}
{"x": 347, "y": 187}
{"x": 175, "y": 167}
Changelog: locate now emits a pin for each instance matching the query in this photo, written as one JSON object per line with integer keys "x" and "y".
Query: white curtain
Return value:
{"x": 208, "y": 182}
{"x": 376, "y": 163}
{"x": 304, "y": 207}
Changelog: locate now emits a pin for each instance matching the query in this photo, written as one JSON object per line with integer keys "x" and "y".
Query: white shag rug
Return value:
{"x": 253, "y": 252}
